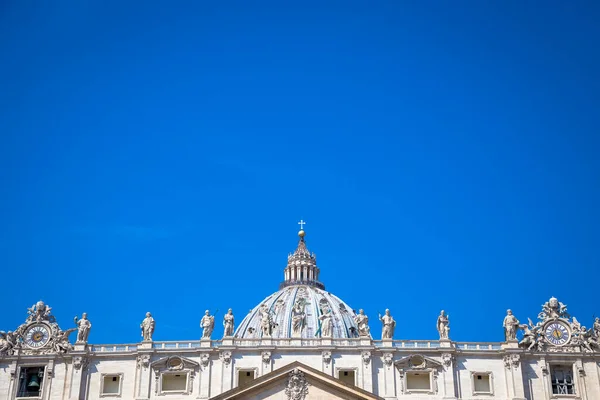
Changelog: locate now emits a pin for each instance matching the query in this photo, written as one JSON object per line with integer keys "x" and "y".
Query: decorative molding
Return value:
{"x": 447, "y": 360}
{"x": 80, "y": 363}
{"x": 326, "y": 357}
{"x": 388, "y": 359}
{"x": 143, "y": 361}
{"x": 204, "y": 359}
{"x": 225, "y": 356}
{"x": 266, "y": 357}
{"x": 366, "y": 357}
{"x": 511, "y": 361}
{"x": 296, "y": 386}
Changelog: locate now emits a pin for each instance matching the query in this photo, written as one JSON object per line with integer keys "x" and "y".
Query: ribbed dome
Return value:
{"x": 315, "y": 301}
{"x": 301, "y": 307}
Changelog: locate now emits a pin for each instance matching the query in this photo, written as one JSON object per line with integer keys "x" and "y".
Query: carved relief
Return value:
{"x": 326, "y": 357}
{"x": 80, "y": 363}
{"x": 225, "y": 356}
{"x": 511, "y": 360}
{"x": 388, "y": 359}
{"x": 266, "y": 357}
{"x": 204, "y": 359}
{"x": 143, "y": 361}
{"x": 447, "y": 360}
{"x": 366, "y": 357}
{"x": 297, "y": 386}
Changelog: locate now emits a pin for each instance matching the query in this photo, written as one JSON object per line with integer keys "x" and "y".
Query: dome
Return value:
{"x": 296, "y": 310}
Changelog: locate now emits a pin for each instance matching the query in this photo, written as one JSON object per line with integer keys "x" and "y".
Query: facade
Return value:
{"x": 302, "y": 343}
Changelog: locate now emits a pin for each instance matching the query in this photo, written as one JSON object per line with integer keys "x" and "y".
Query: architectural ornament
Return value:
{"x": 80, "y": 363}
{"x": 83, "y": 328}
{"x": 266, "y": 357}
{"x": 207, "y": 323}
{"x": 443, "y": 325}
{"x": 366, "y": 357}
{"x": 510, "y": 324}
{"x": 296, "y": 386}
{"x": 326, "y": 357}
{"x": 225, "y": 356}
{"x": 204, "y": 359}
{"x": 143, "y": 361}
{"x": 228, "y": 324}
{"x": 362, "y": 322}
{"x": 326, "y": 324}
{"x": 511, "y": 360}
{"x": 388, "y": 359}
{"x": 447, "y": 360}
{"x": 267, "y": 322}
{"x": 8, "y": 341}
{"x": 298, "y": 317}
{"x": 388, "y": 325}
{"x": 147, "y": 326}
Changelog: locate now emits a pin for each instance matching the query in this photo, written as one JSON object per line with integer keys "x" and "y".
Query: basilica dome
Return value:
{"x": 297, "y": 309}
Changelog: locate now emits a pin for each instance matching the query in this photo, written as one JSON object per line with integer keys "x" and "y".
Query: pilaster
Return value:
{"x": 204, "y": 376}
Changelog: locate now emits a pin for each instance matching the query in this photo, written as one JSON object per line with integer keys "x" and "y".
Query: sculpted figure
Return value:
{"x": 530, "y": 335}
{"x": 511, "y": 324}
{"x": 443, "y": 325}
{"x": 553, "y": 309}
{"x": 84, "y": 326}
{"x": 597, "y": 327}
{"x": 266, "y": 321}
{"x": 362, "y": 322}
{"x": 326, "y": 324}
{"x": 61, "y": 341}
{"x": 298, "y": 318}
{"x": 39, "y": 312}
{"x": 7, "y": 343}
{"x": 207, "y": 323}
{"x": 388, "y": 325}
{"x": 147, "y": 326}
{"x": 228, "y": 323}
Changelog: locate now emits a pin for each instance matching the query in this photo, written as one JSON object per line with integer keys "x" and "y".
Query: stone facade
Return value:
{"x": 278, "y": 352}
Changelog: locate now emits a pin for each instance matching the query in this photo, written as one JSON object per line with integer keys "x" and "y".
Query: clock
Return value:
{"x": 557, "y": 333}
{"x": 37, "y": 336}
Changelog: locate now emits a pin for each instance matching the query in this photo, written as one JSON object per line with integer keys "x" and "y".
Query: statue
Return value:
{"x": 298, "y": 317}
{"x": 443, "y": 325}
{"x": 326, "y": 324}
{"x": 388, "y": 325}
{"x": 207, "y": 323}
{"x": 147, "y": 326}
{"x": 40, "y": 312}
{"x": 362, "y": 322}
{"x": 266, "y": 321}
{"x": 530, "y": 335}
{"x": 61, "y": 342}
{"x": 597, "y": 327}
{"x": 84, "y": 326}
{"x": 553, "y": 309}
{"x": 228, "y": 323}
{"x": 7, "y": 343}
{"x": 511, "y": 324}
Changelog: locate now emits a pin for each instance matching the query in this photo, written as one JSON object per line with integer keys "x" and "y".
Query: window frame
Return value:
{"x": 428, "y": 371}
{"x": 491, "y": 380}
{"x": 347, "y": 369}
{"x": 244, "y": 369}
{"x": 113, "y": 374}
{"x": 186, "y": 390}
{"x": 564, "y": 365}
{"x": 45, "y": 376}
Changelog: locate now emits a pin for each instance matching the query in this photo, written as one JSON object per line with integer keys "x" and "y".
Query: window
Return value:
{"x": 481, "y": 382}
{"x": 111, "y": 384}
{"x": 174, "y": 383}
{"x": 30, "y": 382}
{"x": 245, "y": 377}
{"x": 418, "y": 381}
{"x": 347, "y": 376}
{"x": 562, "y": 379}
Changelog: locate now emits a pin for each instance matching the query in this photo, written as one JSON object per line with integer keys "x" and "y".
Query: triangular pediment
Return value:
{"x": 417, "y": 361}
{"x": 174, "y": 363}
{"x": 296, "y": 381}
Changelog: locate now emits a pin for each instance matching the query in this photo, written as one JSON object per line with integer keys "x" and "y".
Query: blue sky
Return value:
{"x": 156, "y": 157}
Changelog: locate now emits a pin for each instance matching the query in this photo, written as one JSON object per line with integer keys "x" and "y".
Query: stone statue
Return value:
{"x": 84, "y": 326}
{"x": 228, "y": 323}
{"x": 61, "y": 342}
{"x": 266, "y": 321}
{"x": 597, "y": 327}
{"x": 147, "y": 326}
{"x": 388, "y": 325}
{"x": 530, "y": 335}
{"x": 40, "y": 312}
{"x": 443, "y": 325}
{"x": 362, "y": 322}
{"x": 207, "y": 323}
{"x": 298, "y": 317}
{"x": 7, "y": 343}
{"x": 553, "y": 309}
{"x": 511, "y": 324}
{"x": 326, "y": 324}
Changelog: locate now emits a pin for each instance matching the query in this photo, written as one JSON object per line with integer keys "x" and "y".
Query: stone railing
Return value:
{"x": 287, "y": 342}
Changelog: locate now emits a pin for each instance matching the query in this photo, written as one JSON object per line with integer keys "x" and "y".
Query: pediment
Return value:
{"x": 174, "y": 363}
{"x": 416, "y": 362}
{"x": 296, "y": 381}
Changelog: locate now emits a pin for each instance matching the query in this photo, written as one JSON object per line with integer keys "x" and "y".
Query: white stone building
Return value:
{"x": 303, "y": 342}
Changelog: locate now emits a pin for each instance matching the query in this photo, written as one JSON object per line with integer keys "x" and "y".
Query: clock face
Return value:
{"x": 37, "y": 336}
{"x": 557, "y": 333}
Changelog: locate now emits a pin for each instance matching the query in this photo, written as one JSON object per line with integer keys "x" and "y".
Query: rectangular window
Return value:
{"x": 245, "y": 377}
{"x": 562, "y": 379}
{"x": 111, "y": 385}
{"x": 418, "y": 381}
{"x": 30, "y": 382}
{"x": 482, "y": 382}
{"x": 347, "y": 376}
{"x": 174, "y": 382}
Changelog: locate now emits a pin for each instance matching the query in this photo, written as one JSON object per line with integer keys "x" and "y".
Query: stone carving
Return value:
{"x": 553, "y": 309}
{"x": 366, "y": 357}
{"x": 207, "y": 323}
{"x": 266, "y": 357}
{"x": 326, "y": 324}
{"x": 511, "y": 324}
{"x": 80, "y": 363}
{"x": 267, "y": 322}
{"x": 84, "y": 326}
{"x": 204, "y": 359}
{"x": 388, "y": 325}
{"x": 175, "y": 364}
{"x": 40, "y": 312}
{"x": 147, "y": 326}
{"x": 225, "y": 356}
{"x": 447, "y": 359}
{"x": 362, "y": 322}
{"x": 388, "y": 359}
{"x": 443, "y": 325}
{"x": 60, "y": 342}
{"x": 8, "y": 342}
{"x": 326, "y": 357}
{"x": 297, "y": 386}
{"x": 298, "y": 317}
{"x": 228, "y": 324}
{"x": 511, "y": 360}
{"x": 143, "y": 361}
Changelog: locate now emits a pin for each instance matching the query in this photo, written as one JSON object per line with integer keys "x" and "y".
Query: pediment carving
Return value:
{"x": 417, "y": 362}
{"x": 174, "y": 363}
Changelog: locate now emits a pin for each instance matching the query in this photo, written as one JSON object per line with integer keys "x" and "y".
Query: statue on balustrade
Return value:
{"x": 388, "y": 325}
{"x": 228, "y": 323}
{"x": 147, "y": 326}
{"x": 207, "y": 323}
{"x": 443, "y": 325}
{"x": 83, "y": 328}
{"x": 362, "y": 322}
{"x": 511, "y": 324}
